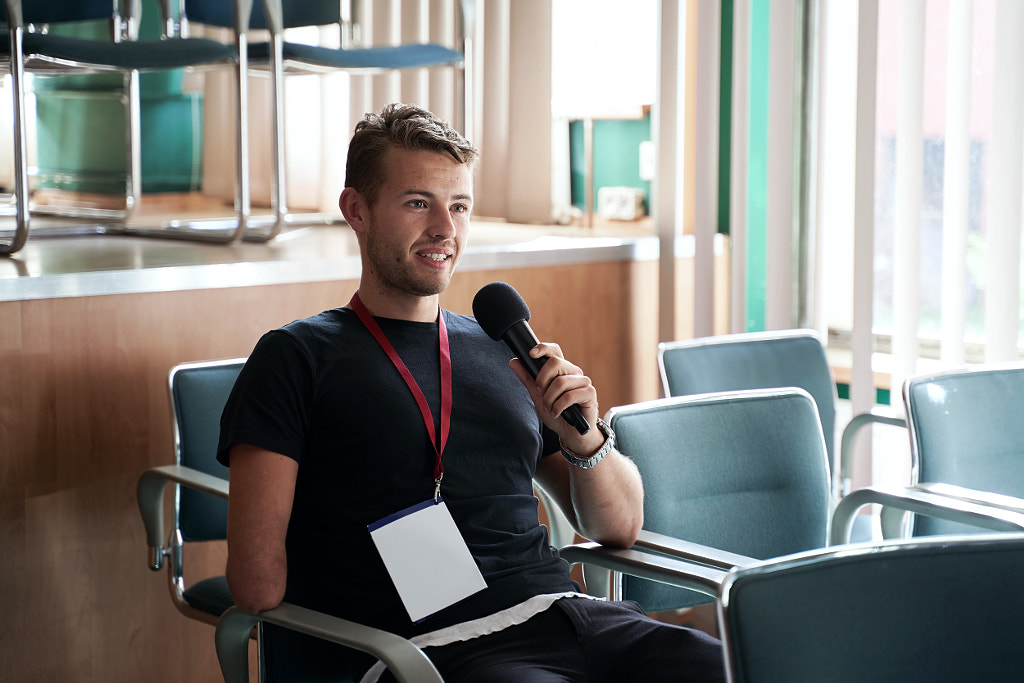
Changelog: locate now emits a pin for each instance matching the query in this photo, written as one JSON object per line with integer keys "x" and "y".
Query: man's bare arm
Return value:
{"x": 605, "y": 503}
{"x": 259, "y": 507}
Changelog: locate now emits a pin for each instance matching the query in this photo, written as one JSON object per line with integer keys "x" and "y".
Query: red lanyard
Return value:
{"x": 414, "y": 387}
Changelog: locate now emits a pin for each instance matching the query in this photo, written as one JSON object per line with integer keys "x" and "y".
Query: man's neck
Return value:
{"x": 400, "y": 307}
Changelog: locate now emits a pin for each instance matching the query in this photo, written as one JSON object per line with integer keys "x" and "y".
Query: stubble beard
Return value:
{"x": 395, "y": 274}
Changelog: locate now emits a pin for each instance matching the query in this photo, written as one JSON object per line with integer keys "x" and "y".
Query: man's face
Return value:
{"x": 416, "y": 230}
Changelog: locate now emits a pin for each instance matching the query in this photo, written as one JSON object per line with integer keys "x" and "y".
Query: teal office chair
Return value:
{"x": 939, "y": 610}
{"x": 198, "y": 393}
{"x": 966, "y": 431}
{"x": 729, "y": 478}
{"x": 742, "y": 472}
{"x": 966, "y": 445}
{"x": 200, "y": 489}
{"x": 42, "y": 53}
{"x": 280, "y": 57}
{"x": 761, "y": 360}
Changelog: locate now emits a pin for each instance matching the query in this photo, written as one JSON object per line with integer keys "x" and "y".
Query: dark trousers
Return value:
{"x": 587, "y": 641}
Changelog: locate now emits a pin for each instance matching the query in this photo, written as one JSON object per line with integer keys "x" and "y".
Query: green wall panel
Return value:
{"x": 757, "y": 164}
{"x": 616, "y": 156}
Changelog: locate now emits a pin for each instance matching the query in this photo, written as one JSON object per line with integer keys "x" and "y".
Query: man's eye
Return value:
{"x": 417, "y": 203}
{"x": 460, "y": 208}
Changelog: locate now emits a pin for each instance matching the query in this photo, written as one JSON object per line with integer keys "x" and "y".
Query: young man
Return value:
{"x": 391, "y": 405}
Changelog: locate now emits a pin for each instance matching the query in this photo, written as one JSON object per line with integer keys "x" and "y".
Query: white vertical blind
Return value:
{"x": 414, "y": 27}
{"x": 738, "y": 166}
{"x": 956, "y": 184}
{"x": 529, "y": 155}
{"x": 493, "y": 133}
{"x": 705, "y": 181}
{"x": 1002, "y": 291}
{"x": 780, "y": 237}
{"x": 862, "y": 389}
{"x": 666, "y": 188}
{"x": 440, "y": 85}
{"x": 909, "y": 180}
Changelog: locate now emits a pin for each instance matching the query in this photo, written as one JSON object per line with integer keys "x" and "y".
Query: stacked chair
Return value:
{"x": 280, "y": 57}
{"x": 32, "y": 51}
{"x": 45, "y": 54}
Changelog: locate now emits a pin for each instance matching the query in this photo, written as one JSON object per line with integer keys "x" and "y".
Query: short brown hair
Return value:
{"x": 401, "y": 126}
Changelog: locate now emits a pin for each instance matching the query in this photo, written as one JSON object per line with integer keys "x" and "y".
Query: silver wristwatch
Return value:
{"x": 587, "y": 463}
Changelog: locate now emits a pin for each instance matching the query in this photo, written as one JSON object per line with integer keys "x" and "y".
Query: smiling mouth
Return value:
{"x": 436, "y": 257}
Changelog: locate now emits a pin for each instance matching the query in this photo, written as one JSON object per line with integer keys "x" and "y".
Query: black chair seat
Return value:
{"x": 210, "y": 595}
{"x": 142, "y": 54}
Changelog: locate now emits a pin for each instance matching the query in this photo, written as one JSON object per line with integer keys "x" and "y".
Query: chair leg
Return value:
{"x": 243, "y": 204}
{"x": 215, "y": 231}
{"x": 133, "y": 145}
{"x": 21, "y": 189}
{"x": 278, "y": 182}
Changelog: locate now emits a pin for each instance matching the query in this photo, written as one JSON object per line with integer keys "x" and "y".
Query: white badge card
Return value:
{"x": 427, "y": 558}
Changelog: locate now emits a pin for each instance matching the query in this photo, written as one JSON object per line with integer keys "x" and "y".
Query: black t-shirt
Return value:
{"x": 322, "y": 391}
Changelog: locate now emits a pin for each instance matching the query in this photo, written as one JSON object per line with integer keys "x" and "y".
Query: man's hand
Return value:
{"x": 604, "y": 503}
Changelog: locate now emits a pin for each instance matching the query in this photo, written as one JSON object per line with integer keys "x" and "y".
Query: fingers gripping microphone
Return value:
{"x": 503, "y": 315}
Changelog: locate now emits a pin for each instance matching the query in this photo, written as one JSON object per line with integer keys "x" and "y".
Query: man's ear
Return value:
{"x": 352, "y": 206}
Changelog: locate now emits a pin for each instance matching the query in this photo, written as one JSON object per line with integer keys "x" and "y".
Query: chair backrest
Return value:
{"x": 966, "y": 429}
{"x": 907, "y": 611}
{"x": 198, "y": 394}
{"x": 745, "y": 472}
{"x": 295, "y": 13}
{"x": 60, "y": 11}
{"x": 753, "y": 360}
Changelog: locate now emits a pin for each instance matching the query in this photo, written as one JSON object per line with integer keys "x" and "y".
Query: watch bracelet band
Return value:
{"x": 606, "y": 447}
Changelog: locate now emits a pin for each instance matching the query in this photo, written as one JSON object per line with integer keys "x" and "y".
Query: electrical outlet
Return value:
{"x": 620, "y": 203}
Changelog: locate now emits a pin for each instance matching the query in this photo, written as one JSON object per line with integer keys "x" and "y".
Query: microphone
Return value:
{"x": 503, "y": 315}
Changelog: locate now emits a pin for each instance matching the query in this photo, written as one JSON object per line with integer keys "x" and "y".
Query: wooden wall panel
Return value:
{"x": 84, "y": 410}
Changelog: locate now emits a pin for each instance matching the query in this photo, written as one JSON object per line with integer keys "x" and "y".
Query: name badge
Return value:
{"x": 427, "y": 558}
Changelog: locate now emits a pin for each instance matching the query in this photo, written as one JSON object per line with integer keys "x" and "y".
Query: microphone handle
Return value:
{"x": 520, "y": 338}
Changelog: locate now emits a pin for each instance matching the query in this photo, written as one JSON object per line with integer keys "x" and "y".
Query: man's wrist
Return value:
{"x": 589, "y": 462}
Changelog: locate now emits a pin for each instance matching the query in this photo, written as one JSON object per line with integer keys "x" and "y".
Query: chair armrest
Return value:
{"x": 149, "y": 494}
{"x": 997, "y": 500}
{"x": 676, "y": 572}
{"x": 921, "y": 500}
{"x": 841, "y": 485}
{"x": 692, "y": 552}
{"x": 405, "y": 661}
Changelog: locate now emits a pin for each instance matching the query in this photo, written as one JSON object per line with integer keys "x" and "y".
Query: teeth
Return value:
{"x": 436, "y": 257}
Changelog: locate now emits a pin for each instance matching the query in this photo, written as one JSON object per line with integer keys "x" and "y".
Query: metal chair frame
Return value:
{"x": 33, "y": 58}
{"x": 278, "y": 67}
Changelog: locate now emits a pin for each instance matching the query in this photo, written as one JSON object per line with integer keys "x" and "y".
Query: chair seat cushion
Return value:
{"x": 387, "y": 57}
{"x": 142, "y": 54}
{"x": 210, "y": 595}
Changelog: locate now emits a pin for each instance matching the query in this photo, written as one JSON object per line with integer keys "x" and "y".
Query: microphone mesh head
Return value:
{"x": 497, "y": 307}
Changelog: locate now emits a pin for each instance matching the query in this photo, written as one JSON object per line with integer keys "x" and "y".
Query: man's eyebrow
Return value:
{"x": 430, "y": 195}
